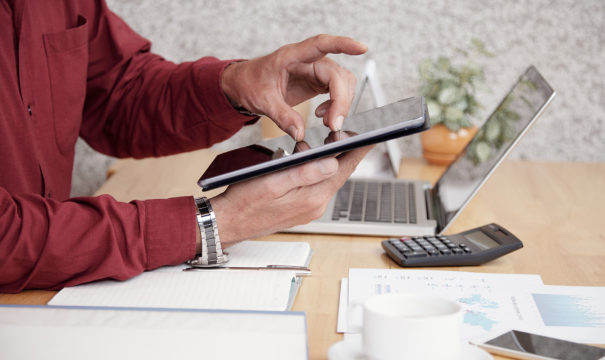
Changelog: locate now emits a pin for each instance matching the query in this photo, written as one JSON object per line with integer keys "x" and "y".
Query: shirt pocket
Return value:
{"x": 67, "y": 57}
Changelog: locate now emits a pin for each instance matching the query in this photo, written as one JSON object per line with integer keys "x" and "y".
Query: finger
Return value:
{"x": 318, "y": 46}
{"x": 281, "y": 182}
{"x": 301, "y": 146}
{"x": 341, "y": 85}
{"x": 322, "y": 108}
{"x": 338, "y": 135}
{"x": 286, "y": 118}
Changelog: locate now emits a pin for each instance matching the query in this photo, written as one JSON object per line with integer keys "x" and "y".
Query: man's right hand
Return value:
{"x": 280, "y": 200}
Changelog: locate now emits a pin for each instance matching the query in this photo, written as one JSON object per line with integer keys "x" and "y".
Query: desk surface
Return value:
{"x": 556, "y": 209}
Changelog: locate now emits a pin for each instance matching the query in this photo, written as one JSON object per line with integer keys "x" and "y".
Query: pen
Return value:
{"x": 300, "y": 271}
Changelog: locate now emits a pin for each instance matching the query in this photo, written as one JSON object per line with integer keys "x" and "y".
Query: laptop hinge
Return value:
{"x": 428, "y": 199}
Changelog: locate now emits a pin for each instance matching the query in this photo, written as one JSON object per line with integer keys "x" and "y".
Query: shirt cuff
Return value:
{"x": 207, "y": 72}
{"x": 169, "y": 231}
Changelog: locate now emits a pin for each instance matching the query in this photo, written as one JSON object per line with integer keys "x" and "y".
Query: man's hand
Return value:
{"x": 277, "y": 201}
{"x": 272, "y": 84}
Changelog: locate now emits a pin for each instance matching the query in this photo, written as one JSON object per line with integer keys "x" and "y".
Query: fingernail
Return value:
{"x": 338, "y": 122}
{"x": 327, "y": 166}
{"x": 293, "y": 131}
{"x": 321, "y": 113}
{"x": 360, "y": 43}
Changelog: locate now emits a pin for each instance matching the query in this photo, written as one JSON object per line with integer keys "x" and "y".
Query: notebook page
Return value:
{"x": 230, "y": 290}
{"x": 260, "y": 254}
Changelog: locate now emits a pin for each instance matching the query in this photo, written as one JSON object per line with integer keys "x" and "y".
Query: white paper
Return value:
{"x": 492, "y": 301}
{"x": 343, "y": 306}
{"x": 364, "y": 283}
{"x": 170, "y": 287}
{"x": 63, "y": 333}
{"x": 233, "y": 290}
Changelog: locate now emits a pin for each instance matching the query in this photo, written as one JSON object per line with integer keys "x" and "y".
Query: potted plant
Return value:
{"x": 450, "y": 91}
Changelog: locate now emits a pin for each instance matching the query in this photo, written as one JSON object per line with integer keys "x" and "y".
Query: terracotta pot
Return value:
{"x": 441, "y": 146}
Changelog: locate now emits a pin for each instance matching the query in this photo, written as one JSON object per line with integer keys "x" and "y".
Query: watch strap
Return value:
{"x": 212, "y": 252}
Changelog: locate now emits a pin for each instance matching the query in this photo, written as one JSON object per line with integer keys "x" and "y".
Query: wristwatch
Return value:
{"x": 212, "y": 254}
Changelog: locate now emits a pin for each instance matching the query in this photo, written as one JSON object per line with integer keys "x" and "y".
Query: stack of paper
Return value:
{"x": 520, "y": 302}
{"x": 41, "y": 332}
{"x": 170, "y": 287}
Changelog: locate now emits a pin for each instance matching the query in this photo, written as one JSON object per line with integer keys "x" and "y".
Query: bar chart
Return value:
{"x": 571, "y": 310}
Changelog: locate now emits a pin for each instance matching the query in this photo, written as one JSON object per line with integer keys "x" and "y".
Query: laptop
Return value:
{"x": 395, "y": 207}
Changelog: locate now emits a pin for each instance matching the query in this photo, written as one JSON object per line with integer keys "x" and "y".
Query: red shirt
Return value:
{"x": 69, "y": 68}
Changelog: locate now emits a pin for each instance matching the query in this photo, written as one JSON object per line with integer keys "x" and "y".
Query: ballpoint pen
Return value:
{"x": 300, "y": 271}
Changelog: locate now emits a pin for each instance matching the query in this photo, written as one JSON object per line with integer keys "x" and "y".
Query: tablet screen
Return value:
{"x": 316, "y": 137}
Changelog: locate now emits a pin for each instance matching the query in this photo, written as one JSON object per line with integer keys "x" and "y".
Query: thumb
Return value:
{"x": 307, "y": 174}
{"x": 286, "y": 118}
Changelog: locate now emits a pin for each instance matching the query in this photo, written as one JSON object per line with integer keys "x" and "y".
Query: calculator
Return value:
{"x": 473, "y": 247}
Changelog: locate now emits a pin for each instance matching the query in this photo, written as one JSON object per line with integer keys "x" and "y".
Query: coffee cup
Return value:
{"x": 409, "y": 326}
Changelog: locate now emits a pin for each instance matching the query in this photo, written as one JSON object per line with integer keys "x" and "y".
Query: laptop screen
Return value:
{"x": 502, "y": 130}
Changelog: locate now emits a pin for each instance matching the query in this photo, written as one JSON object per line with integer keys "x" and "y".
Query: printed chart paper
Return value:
{"x": 493, "y": 301}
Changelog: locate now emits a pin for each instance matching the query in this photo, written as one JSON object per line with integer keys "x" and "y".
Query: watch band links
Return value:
{"x": 212, "y": 253}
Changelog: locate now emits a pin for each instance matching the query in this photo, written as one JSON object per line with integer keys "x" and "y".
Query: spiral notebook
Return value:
{"x": 170, "y": 287}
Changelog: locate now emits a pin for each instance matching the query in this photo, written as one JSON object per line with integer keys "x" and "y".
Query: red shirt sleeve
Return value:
{"x": 47, "y": 244}
{"x": 140, "y": 105}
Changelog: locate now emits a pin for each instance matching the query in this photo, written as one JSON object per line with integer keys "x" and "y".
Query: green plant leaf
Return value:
{"x": 483, "y": 151}
{"x": 492, "y": 130}
{"x": 444, "y": 63}
{"x": 461, "y": 104}
{"x": 434, "y": 109}
{"x": 449, "y": 95}
{"x": 480, "y": 45}
{"x": 453, "y": 115}
{"x": 465, "y": 122}
{"x": 452, "y": 125}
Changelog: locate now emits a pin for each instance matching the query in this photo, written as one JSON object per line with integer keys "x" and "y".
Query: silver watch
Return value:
{"x": 212, "y": 254}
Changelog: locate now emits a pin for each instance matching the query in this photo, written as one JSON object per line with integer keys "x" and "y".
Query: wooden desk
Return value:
{"x": 556, "y": 209}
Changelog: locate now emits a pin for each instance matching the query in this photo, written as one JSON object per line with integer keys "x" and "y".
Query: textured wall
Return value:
{"x": 565, "y": 40}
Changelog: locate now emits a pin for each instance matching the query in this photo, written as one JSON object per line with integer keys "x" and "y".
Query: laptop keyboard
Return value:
{"x": 372, "y": 201}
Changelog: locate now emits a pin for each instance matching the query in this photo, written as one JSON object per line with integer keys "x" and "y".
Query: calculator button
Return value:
{"x": 467, "y": 250}
{"x": 432, "y": 252}
{"x": 416, "y": 248}
{"x": 404, "y": 238}
{"x": 446, "y": 252}
{"x": 415, "y": 254}
{"x": 416, "y": 237}
{"x": 457, "y": 251}
{"x": 452, "y": 245}
{"x": 405, "y": 250}
{"x": 446, "y": 241}
{"x": 462, "y": 245}
{"x": 394, "y": 241}
{"x": 427, "y": 236}
{"x": 428, "y": 247}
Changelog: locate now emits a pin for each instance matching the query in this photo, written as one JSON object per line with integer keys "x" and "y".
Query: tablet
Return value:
{"x": 402, "y": 118}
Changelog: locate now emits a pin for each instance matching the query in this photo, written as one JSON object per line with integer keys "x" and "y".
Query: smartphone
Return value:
{"x": 402, "y": 118}
{"x": 523, "y": 345}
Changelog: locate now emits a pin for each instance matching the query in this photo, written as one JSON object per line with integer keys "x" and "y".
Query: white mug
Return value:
{"x": 410, "y": 327}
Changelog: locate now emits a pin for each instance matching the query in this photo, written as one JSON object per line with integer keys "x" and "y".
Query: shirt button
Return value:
{"x": 30, "y": 110}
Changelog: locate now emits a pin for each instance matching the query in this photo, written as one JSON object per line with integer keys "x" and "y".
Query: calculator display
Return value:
{"x": 481, "y": 240}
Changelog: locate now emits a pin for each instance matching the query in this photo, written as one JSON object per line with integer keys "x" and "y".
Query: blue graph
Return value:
{"x": 570, "y": 310}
